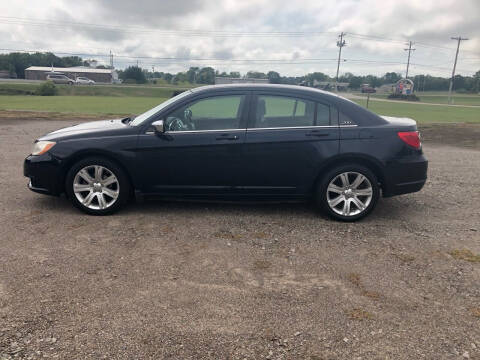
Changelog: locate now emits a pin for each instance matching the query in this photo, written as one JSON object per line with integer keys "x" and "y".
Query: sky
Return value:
{"x": 290, "y": 37}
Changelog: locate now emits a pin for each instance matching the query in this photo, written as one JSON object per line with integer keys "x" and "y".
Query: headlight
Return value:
{"x": 41, "y": 147}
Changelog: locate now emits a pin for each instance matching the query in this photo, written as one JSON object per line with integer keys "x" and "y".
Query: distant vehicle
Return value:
{"x": 84, "y": 80}
{"x": 368, "y": 89}
{"x": 235, "y": 142}
{"x": 60, "y": 79}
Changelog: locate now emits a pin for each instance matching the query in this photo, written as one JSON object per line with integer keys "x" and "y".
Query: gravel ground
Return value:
{"x": 202, "y": 281}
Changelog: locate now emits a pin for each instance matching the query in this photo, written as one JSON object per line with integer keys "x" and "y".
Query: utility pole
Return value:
{"x": 459, "y": 39}
{"x": 340, "y": 44}
{"x": 409, "y": 51}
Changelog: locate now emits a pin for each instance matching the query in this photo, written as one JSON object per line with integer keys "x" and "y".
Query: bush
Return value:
{"x": 130, "y": 81}
{"x": 48, "y": 88}
{"x": 411, "y": 97}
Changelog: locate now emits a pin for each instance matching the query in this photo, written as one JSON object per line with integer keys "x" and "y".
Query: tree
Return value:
{"x": 134, "y": 73}
{"x": 192, "y": 74}
{"x": 391, "y": 77}
{"x": 355, "y": 82}
{"x": 256, "y": 75}
{"x": 206, "y": 75}
{"x": 274, "y": 77}
{"x": 477, "y": 81}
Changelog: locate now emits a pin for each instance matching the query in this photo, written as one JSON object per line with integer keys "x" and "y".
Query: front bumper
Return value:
{"x": 405, "y": 175}
{"x": 44, "y": 173}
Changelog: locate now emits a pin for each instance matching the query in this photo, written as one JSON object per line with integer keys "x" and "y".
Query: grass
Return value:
{"x": 94, "y": 90}
{"x": 136, "y": 99}
{"x": 359, "y": 314}
{"x": 476, "y": 312}
{"x": 80, "y": 104}
{"x": 439, "y": 98}
{"x": 466, "y": 255}
{"x": 424, "y": 114}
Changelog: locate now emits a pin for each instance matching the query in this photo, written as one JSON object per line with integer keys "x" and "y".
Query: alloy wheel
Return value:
{"x": 349, "y": 193}
{"x": 96, "y": 187}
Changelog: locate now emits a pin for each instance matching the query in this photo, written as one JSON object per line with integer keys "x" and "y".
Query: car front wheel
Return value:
{"x": 97, "y": 186}
{"x": 348, "y": 192}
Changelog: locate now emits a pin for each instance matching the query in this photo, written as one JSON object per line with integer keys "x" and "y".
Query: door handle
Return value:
{"x": 227, "y": 137}
{"x": 316, "y": 133}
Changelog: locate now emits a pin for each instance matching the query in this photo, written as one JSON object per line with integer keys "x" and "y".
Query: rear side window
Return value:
{"x": 323, "y": 115}
{"x": 281, "y": 111}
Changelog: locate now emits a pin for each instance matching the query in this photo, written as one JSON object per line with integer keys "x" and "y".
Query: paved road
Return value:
{"x": 201, "y": 281}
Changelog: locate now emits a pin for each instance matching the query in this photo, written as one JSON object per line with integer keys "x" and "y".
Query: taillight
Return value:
{"x": 411, "y": 138}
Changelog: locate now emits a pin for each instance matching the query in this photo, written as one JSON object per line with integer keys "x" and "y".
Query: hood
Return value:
{"x": 88, "y": 128}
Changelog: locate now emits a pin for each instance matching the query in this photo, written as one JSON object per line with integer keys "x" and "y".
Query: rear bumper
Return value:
{"x": 44, "y": 174}
{"x": 405, "y": 175}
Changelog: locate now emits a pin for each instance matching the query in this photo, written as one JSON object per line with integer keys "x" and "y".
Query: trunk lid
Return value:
{"x": 401, "y": 122}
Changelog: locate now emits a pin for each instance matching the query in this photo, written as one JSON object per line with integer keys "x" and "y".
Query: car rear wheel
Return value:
{"x": 97, "y": 186}
{"x": 348, "y": 192}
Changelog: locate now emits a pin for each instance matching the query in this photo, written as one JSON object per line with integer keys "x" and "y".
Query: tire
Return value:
{"x": 350, "y": 183}
{"x": 97, "y": 186}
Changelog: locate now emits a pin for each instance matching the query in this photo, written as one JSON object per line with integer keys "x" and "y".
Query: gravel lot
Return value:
{"x": 215, "y": 281}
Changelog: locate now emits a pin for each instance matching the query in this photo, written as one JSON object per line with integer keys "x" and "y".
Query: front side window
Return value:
{"x": 213, "y": 113}
{"x": 138, "y": 120}
{"x": 274, "y": 111}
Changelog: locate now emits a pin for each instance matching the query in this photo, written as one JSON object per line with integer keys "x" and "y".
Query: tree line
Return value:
{"x": 206, "y": 75}
{"x": 15, "y": 64}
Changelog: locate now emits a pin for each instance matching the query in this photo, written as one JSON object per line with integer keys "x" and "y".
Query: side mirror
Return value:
{"x": 158, "y": 126}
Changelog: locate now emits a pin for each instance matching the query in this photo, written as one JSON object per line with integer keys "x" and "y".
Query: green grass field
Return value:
{"x": 94, "y": 90}
{"x": 439, "y": 98}
{"x": 81, "y": 104}
{"x": 120, "y": 100}
{"x": 426, "y": 114}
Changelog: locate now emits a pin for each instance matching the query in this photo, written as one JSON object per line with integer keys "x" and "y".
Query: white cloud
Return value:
{"x": 139, "y": 29}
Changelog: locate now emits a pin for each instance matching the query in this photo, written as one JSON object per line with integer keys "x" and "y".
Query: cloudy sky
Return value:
{"x": 291, "y": 37}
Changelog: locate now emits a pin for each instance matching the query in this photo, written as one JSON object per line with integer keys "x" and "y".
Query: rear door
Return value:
{"x": 287, "y": 139}
{"x": 200, "y": 151}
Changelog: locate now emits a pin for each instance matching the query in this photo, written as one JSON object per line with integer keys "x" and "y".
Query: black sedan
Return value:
{"x": 235, "y": 142}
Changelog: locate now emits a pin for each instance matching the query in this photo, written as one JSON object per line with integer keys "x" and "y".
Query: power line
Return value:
{"x": 201, "y": 33}
{"x": 164, "y": 60}
{"x": 176, "y": 32}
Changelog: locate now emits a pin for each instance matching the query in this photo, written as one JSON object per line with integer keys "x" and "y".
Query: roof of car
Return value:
{"x": 250, "y": 86}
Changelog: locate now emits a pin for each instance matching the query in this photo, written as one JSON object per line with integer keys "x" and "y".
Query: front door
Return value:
{"x": 287, "y": 139}
{"x": 200, "y": 151}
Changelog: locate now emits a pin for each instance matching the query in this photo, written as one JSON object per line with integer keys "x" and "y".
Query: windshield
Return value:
{"x": 141, "y": 118}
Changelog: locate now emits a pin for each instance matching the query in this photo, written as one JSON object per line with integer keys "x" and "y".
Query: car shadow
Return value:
{"x": 387, "y": 209}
